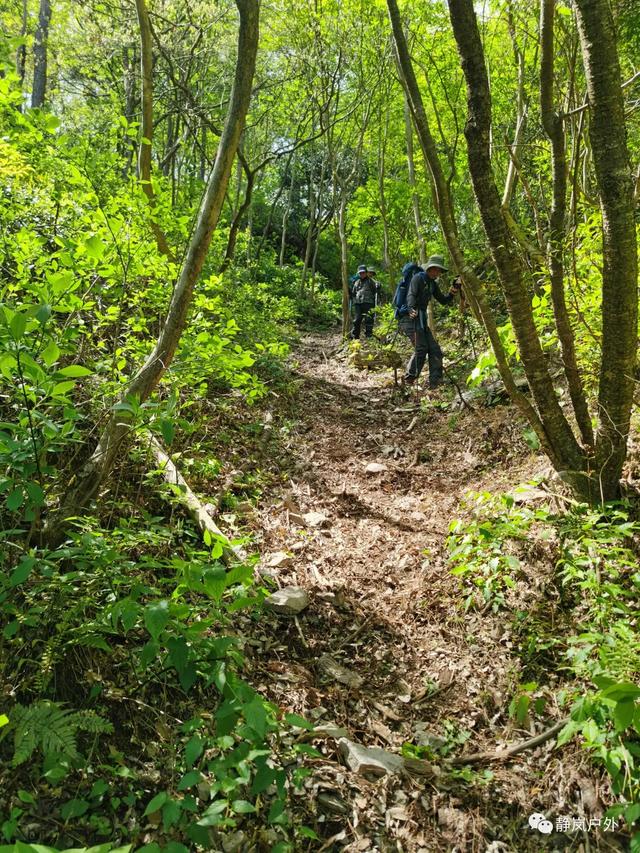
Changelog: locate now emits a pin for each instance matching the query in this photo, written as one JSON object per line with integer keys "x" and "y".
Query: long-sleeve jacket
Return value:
{"x": 421, "y": 289}
{"x": 364, "y": 290}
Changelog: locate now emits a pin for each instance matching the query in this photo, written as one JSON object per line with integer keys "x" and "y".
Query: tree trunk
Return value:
{"x": 146, "y": 128}
{"x": 344, "y": 261}
{"x": 415, "y": 200}
{"x": 40, "y": 45}
{"x": 86, "y": 485}
{"x": 566, "y": 453}
{"x": 554, "y": 128}
{"x": 285, "y": 216}
{"x": 310, "y": 230}
{"x": 608, "y": 137}
{"x": 239, "y": 214}
{"x": 444, "y": 206}
{"x": 21, "y": 53}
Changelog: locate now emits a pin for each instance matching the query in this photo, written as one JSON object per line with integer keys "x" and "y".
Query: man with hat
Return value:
{"x": 422, "y": 287}
{"x": 364, "y": 291}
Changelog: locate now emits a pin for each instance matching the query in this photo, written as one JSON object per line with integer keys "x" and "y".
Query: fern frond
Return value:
{"x": 52, "y": 729}
{"x": 89, "y": 721}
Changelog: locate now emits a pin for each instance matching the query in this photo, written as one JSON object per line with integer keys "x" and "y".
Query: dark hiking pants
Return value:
{"x": 362, "y": 311}
{"x": 424, "y": 344}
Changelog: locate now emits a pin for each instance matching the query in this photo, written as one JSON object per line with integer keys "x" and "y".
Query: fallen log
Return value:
{"x": 514, "y": 749}
{"x": 191, "y": 502}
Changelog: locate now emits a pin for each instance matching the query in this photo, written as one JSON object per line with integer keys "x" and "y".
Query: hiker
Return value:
{"x": 364, "y": 293}
{"x": 412, "y": 317}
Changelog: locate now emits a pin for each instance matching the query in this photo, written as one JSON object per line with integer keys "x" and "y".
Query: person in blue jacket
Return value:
{"x": 424, "y": 286}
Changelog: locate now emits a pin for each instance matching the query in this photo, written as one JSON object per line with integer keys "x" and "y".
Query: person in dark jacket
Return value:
{"x": 422, "y": 287}
{"x": 364, "y": 290}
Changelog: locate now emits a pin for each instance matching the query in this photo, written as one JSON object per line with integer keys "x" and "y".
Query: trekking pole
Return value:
{"x": 467, "y": 324}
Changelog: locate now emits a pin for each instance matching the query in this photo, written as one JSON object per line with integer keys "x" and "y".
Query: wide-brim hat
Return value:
{"x": 371, "y": 269}
{"x": 362, "y": 268}
{"x": 436, "y": 261}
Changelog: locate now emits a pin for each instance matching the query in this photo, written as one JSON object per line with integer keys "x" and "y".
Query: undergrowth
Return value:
{"x": 589, "y": 593}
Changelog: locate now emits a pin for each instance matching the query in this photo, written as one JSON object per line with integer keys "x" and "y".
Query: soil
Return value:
{"x": 385, "y": 605}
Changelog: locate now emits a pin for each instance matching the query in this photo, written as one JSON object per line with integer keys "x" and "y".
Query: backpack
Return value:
{"x": 400, "y": 296}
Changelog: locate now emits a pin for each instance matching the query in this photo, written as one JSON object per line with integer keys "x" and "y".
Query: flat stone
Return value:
{"x": 330, "y": 730}
{"x": 369, "y": 760}
{"x": 375, "y": 468}
{"x": 332, "y": 669}
{"x": 289, "y": 600}
{"x": 278, "y": 559}
{"x": 314, "y": 519}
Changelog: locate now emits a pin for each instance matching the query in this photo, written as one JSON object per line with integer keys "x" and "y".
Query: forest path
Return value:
{"x": 384, "y": 604}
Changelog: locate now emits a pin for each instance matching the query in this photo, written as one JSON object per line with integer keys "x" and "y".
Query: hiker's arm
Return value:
{"x": 412, "y": 295}
{"x": 443, "y": 298}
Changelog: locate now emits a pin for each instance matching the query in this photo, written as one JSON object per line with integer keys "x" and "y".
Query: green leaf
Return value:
{"x": 25, "y": 796}
{"x": 35, "y": 493}
{"x": 149, "y": 651}
{"x": 74, "y": 808}
{"x": 193, "y": 777}
{"x": 178, "y": 652}
{"x": 242, "y": 807}
{"x": 74, "y": 370}
{"x": 15, "y": 499}
{"x": 3, "y": 720}
{"x": 94, "y": 247}
{"x": 156, "y": 803}
{"x": 18, "y": 325}
{"x": 256, "y": 716}
{"x": 50, "y": 354}
{"x": 193, "y": 750}
{"x": 300, "y": 722}
{"x": 277, "y": 813}
{"x": 307, "y": 832}
{"x": 623, "y": 714}
{"x": 213, "y": 815}
{"x": 632, "y": 813}
{"x": 43, "y": 313}
{"x": 170, "y": 814}
{"x": 156, "y": 617}
{"x": 622, "y": 691}
{"x": 215, "y": 582}
{"x": 168, "y": 430}
{"x": 61, "y": 388}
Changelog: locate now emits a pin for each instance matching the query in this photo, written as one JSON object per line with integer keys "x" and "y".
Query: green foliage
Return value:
{"x": 481, "y": 549}
{"x": 47, "y": 727}
{"x": 597, "y": 570}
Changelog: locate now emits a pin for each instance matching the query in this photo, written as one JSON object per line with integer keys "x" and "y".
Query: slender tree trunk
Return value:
{"x": 239, "y": 215}
{"x": 554, "y": 128}
{"x": 310, "y": 230}
{"x": 96, "y": 469}
{"x": 608, "y": 136}
{"x": 415, "y": 199}
{"x": 444, "y": 206}
{"x": 40, "y": 47}
{"x": 285, "y": 218}
{"x": 146, "y": 128}
{"x": 382, "y": 174}
{"x": 344, "y": 260}
{"x": 567, "y": 453}
{"x": 21, "y": 53}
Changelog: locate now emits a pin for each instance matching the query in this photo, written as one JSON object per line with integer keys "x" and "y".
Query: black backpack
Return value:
{"x": 400, "y": 296}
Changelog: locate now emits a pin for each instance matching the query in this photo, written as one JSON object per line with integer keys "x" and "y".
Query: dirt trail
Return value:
{"x": 384, "y": 605}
